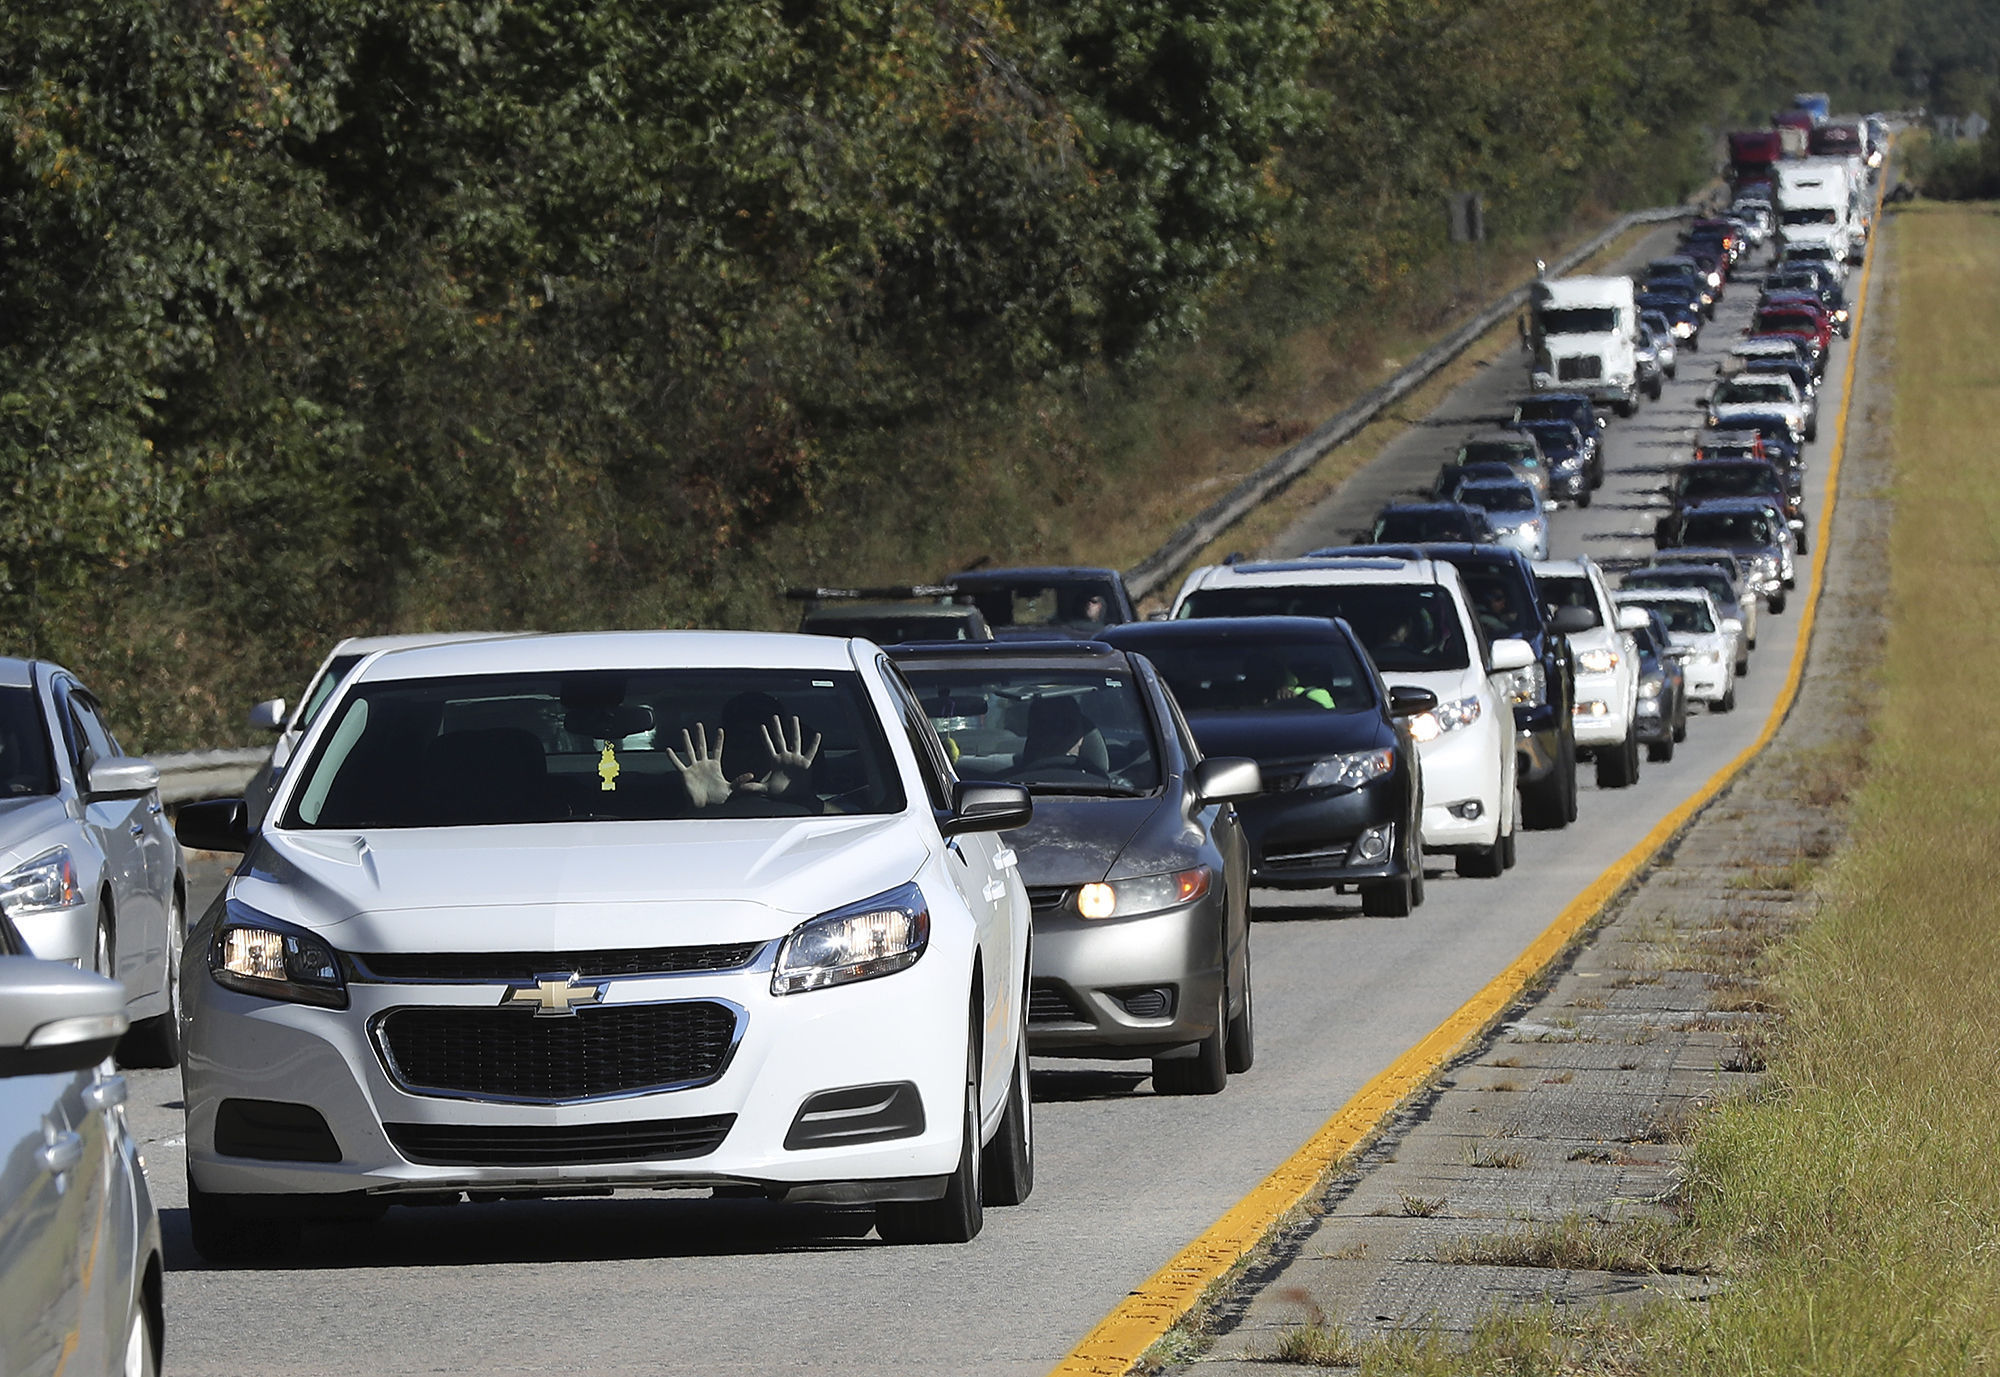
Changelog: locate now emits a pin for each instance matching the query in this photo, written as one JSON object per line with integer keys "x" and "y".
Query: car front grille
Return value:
{"x": 1047, "y": 898}
{"x": 1300, "y": 855}
{"x": 1047, "y": 1004}
{"x": 1580, "y": 368}
{"x": 538, "y": 1145}
{"x": 511, "y": 1054}
{"x": 423, "y": 967}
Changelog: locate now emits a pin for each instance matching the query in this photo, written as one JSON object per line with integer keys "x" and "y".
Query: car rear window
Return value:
{"x": 640, "y": 745}
{"x": 1411, "y": 627}
{"x": 1068, "y": 605}
{"x": 1056, "y": 731}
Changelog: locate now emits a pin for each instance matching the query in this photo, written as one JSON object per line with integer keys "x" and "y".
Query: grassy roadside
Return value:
{"x": 1854, "y": 1207}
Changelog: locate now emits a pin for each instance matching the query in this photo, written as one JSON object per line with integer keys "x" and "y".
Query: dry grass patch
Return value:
{"x": 1581, "y": 1243}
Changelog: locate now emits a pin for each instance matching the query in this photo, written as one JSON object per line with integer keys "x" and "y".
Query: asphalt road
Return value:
{"x": 683, "y": 1284}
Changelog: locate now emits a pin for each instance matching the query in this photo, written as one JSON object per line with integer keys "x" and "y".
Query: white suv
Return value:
{"x": 1414, "y": 619}
{"x": 1607, "y": 668}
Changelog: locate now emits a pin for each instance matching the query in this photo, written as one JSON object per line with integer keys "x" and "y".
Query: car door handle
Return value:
{"x": 137, "y": 829}
{"x": 62, "y": 1154}
{"x": 154, "y": 808}
{"x": 995, "y": 889}
{"x": 108, "y": 1093}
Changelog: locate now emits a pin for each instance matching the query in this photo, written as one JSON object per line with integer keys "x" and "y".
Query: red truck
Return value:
{"x": 1751, "y": 154}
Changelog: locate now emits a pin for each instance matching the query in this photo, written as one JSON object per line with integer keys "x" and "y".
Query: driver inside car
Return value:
{"x": 1059, "y": 732}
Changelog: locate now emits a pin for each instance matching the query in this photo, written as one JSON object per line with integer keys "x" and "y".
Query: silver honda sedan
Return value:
{"x": 90, "y": 872}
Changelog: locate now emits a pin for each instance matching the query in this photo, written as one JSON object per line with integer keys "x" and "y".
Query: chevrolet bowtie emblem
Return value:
{"x": 554, "y": 996}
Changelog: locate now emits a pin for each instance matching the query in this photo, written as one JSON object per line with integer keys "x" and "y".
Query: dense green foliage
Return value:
{"x": 1941, "y": 55}
{"x": 332, "y": 317}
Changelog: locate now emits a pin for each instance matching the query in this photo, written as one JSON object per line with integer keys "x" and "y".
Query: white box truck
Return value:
{"x": 1585, "y": 334}
{"x": 1817, "y": 203}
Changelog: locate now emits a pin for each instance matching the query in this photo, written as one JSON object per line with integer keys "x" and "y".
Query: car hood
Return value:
{"x": 1292, "y": 733}
{"x": 1078, "y": 841}
{"x": 575, "y": 885}
{"x": 27, "y": 825}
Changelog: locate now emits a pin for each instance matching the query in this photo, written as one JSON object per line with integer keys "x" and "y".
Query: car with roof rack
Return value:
{"x": 1036, "y": 602}
{"x": 1136, "y": 862}
{"x": 1417, "y": 625}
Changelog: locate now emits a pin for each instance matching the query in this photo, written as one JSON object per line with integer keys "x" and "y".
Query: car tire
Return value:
{"x": 1805, "y": 546}
{"x": 1207, "y": 1071}
{"x": 1240, "y": 1046}
{"x": 1812, "y": 430}
{"x": 1483, "y": 862}
{"x": 142, "y": 1344}
{"x": 1618, "y": 766}
{"x": 957, "y": 1215}
{"x": 1551, "y": 803}
{"x": 1661, "y": 751}
{"x": 157, "y": 1041}
{"x": 1625, "y": 408}
{"x": 1509, "y": 852}
{"x": 1726, "y": 703}
{"x": 1388, "y": 898}
{"x": 1681, "y": 727}
{"x": 240, "y": 1230}
{"x": 1777, "y": 605}
{"x": 1008, "y": 1172}
{"x": 1583, "y": 498}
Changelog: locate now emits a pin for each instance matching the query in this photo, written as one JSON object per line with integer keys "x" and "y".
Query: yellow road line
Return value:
{"x": 1143, "y": 1317}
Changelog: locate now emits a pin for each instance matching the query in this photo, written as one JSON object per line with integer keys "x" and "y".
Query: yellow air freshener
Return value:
{"x": 607, "y": 769}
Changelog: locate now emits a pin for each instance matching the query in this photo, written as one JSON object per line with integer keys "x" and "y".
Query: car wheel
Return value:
{"x": 1812, "y": 430}
{"x": 1777, "y": 605}
{"x": 1583, "y": 498}
{"x": 103, "y": 946}
{"x": 1618, "y": 767}
{"x": 1805, "y": 546}
{"x": 1673, "y": 369}
{"x": 1207, "y": 1071}
{"x": 1240, "y": 1047}
{"x": 1661, "y": 751}
{"x": 1681, "y": 724}
{"x": 955, "y": 1216}
{"x": 239, "y": 1230}
{"x": 1388, "y": 898}
{"x": 1551, "y": 804}
{"x": 1009, "y": 1168}
{"x": 142, "y": 1345}
{"x": 1481, "y": 863}
{"x": 1727, "y": 703}
{"x": 1743, "y": 668}
{"x": 157, "y": 1041}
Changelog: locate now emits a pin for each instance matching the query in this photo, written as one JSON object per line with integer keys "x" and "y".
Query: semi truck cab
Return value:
{"x": 1585, "y": 333}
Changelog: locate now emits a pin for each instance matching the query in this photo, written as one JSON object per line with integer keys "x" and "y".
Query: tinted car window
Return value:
{"x": 1053, "y": 730}
{"x": 1404, "y": 626}
{"x": 1728, "y": 480}
{"x": 1500, "y": 497}
{"x": 598, "y": 745}
{"x": 1073, "y": 604}
{"x": 1681, "y": 614}
{"x": 1413, "y": 528}
{"x": 1500, "y": 599}
{"x": 26, "y": 766}
{"x": 1567, "y": 590}
{"x": 1240, "y": 675}
{"x": 1713, "y": 582}
{"x": 895, "y": 628}
{"x": 1727, "y": 528}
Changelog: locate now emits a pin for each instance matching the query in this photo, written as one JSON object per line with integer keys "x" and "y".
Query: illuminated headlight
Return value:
{"x": 1446, "y": 717}
{"x": 1683, "y": 329}
{"x": 1840, "y": 315}
{"x": 1715, "y": 279}
{"x": 1349, "y": 771}
{"x": 1649, "y": 688}
{"x": 1526, "y": 686}
{"x": 256, "y": 954}
{"x": 875, "y": 937}
{"x": 1146, "y": 894}
{"x": 45, "y": 884}
{"x": 1597, "y": 661}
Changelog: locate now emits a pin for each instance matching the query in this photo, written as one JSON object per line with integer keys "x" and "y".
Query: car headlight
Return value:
{"x": 875, "y": 937}
{"x": 1526, "y": 686}
{"x": 1683, "y": 329}
{"x": 1711, "y": 657}
{"x": 1446, "y": 717}
{"x": 1649, "y": 688}
{"x": 45, "y": 884}
{"x": 256, "y": 954}
{"x": 1349, "y": 771}
{"x": 1597, "y": 661}
{"x": 1145, "y": 894}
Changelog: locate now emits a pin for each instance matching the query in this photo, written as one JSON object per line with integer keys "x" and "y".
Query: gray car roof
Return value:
{"x": 16, "y": 673}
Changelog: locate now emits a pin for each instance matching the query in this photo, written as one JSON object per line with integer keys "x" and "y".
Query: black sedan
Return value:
{"x": 1402, "y": 522}
{"x": 1135, "y": 862}
{"x": 1343, "y": 795}
{"x": 1572, "y": 475}
{"x": 1663, "y": 703}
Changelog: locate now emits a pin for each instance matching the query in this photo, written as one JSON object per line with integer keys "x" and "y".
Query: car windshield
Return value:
{"x": 1579, "y": 320}
{"x": 1711, "y": 581}
{"x": 613, "y": 745}
{"x": 26, "y": 767}
{"x": 1411, "y": 627}
{"x": 1496, "y": 452}
{"x": 1069, "y": 604}
{"x": 1500, "y": 599}
{"x": 322, "y": 688}
{"x": 1746, "y": 392}
{"x": 895, "y": 628}
{"x": 1239, "y": 674}
{"x": 1056, "y": 731}
{"x": 1500, "y": 497}
{"x": 1727, "y": 528}
{"x": 1680, "y": 614}
{"x": 1548, "y": 409}
{"x": 1807, "y": 215}
{"x": 1556, "y": 435}
{"x": 1411, "y": 528}
{"x": 1786, "y": 320}
{"x": 1567, "y": 590}
{"x": 1727, "y": 480}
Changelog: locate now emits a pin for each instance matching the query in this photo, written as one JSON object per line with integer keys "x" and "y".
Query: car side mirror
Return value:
{"x": 269, "y": 715}
{"x": 1510, "y": 653}
{"x": 55, "y": 1018}
{"x": 1222, "y": 778}
{"x": 979, "y": 806}
{"x": 122, "y": 776}
{"x": 1568, "y": 621}
{"x": 216, "y": 825}
{"x": 1631, "y": 618}
{"x": 1406, "y": 700}
{"x": 1732, "y": 625}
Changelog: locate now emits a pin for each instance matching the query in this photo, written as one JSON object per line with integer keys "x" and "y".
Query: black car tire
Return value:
{"x": 157, "y": 1041}
{"x": 1551, "y": 803}
{"x": 1625, "y": 408}
{"x": 1777, "y": 605}
{"x": 1008, "y": 1170}
{"x": 1661, "y": 751}
{"x": 1481, "y": 863}
{"x": 1388, "y": 898}
{"x": 1805, "y": 545}
{"x": 1812, "y": 429}
{"x": 1726, "y": 703}
{"x": 1583, "y": 498}
{"x": 1207, "y": 1071}
{"x": 1618, "y": 766}
{"x": 958, "y": 1214}
{"x": 240, "y": 1230}
{"x": 1239, "y": 1048}
{"x": 1681, "y": 727}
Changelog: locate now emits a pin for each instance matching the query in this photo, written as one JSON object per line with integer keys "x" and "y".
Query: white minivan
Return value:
{"x": 1413, "y": 617}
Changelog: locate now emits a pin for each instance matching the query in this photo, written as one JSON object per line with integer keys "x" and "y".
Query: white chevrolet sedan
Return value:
{"x": 546, "y": 915}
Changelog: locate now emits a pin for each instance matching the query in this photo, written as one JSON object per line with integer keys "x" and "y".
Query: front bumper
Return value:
{"x": 1652, "y": 722}
{"x": 1307, "y": 838}
{"x": 787, "y": 1049}
{"x": 1602, "y": 716}
{"x": 1708, "y": 680}
{"x": 1462, "y": 776}
{"x": 1125, "y": 987}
